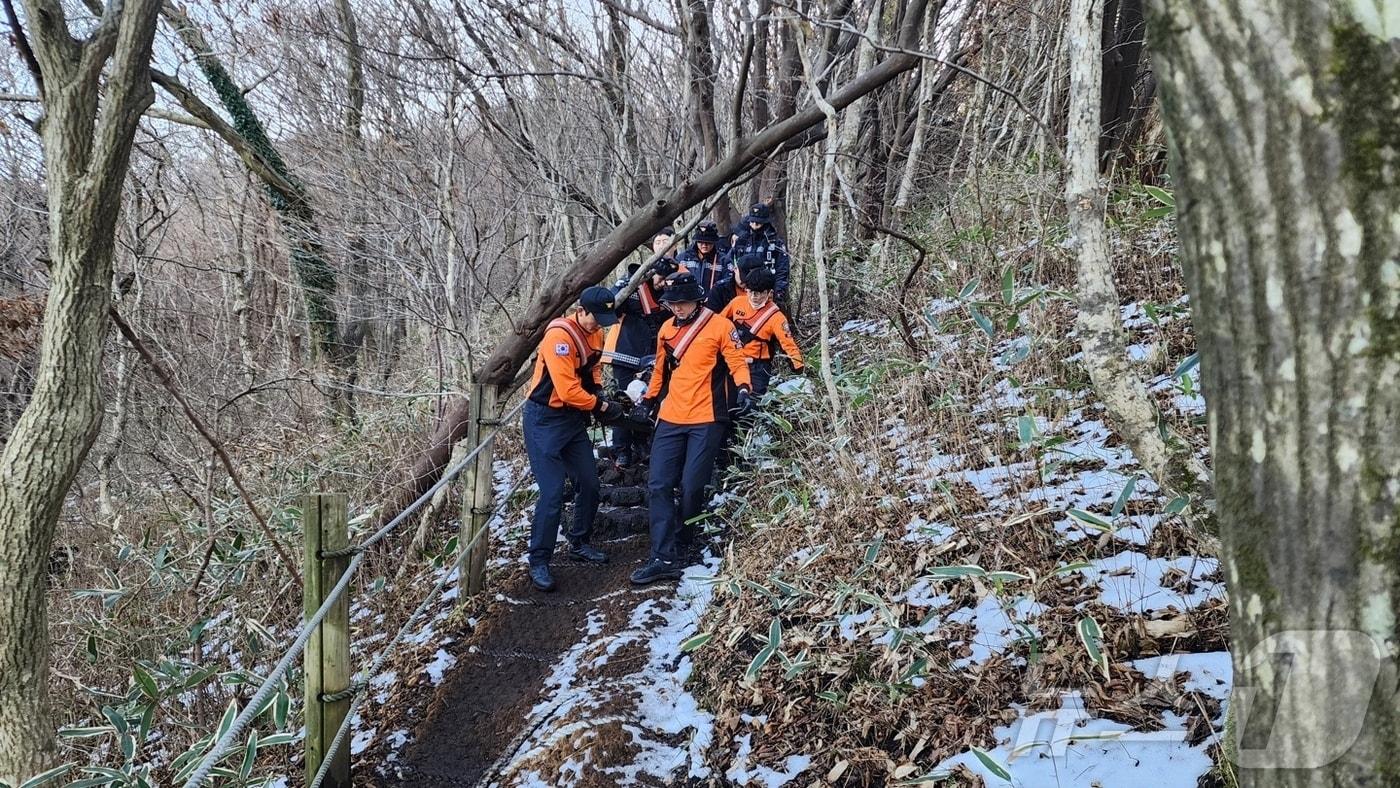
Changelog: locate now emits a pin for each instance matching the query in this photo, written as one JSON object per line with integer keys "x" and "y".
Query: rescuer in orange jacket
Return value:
{"x": 762, "y": 325}
{"x": 699, "y": 363}
{"x": 563, "y": 391}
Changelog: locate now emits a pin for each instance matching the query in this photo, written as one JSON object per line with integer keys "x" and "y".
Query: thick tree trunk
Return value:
{"x": 1284, "y": 137}
{"x": 86, "y": 154}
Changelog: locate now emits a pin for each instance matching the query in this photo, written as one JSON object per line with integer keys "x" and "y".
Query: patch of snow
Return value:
{"x": 1069, "y": 747}
{"x": 1133, "y": 583}
{"x": 996, "y": 627}
{"x": 438, "y": 668}
{"x": 1210, "y": 673}
{"x": 921, "y": 530}
{"x": 794, "y": 385}
{"x": 740, "y": 773}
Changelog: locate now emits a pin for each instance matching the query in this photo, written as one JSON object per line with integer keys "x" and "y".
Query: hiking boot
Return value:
{"x": 655, "y": 570}
{"x": 623, "y": 458}
{"x": 541, "y": 577}
{"x": 588, "y": 554}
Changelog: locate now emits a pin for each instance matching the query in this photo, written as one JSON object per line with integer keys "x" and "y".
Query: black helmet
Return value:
{"x": 759, "y": 280}
{"x": 759, "y": 213}
{"x": 707, "y": 233}
{"x": 750, "y": 262}
{"x": 682, "y": 286}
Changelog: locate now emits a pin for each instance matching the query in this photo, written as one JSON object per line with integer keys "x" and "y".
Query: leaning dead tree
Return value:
{"x": 94, "y": 90}
{"x": 1284, "y": 138}
{"x": 745, "y": 153}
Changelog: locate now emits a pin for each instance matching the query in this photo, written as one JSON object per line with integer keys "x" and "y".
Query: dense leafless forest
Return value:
{"x": 255, "y": 250}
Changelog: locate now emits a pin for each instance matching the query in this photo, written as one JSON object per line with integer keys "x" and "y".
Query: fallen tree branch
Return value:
{"x": 168, "y": 381}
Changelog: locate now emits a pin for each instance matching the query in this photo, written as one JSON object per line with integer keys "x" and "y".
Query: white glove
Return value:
{"x": 636, "y": 390}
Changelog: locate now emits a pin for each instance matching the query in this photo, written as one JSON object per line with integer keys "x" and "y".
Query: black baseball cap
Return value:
{"x": 600, "y": 303}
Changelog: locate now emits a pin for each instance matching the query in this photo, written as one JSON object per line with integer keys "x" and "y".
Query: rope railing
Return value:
{"x": 224, "y": 745}
{"x": 356, "y": 692}
{"x": 358, "y": 688}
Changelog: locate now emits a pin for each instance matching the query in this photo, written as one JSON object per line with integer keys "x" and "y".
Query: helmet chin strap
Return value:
{"x": 680, "y": 321}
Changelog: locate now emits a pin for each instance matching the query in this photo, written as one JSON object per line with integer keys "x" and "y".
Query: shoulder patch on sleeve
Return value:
{"x": 561, "y": 348}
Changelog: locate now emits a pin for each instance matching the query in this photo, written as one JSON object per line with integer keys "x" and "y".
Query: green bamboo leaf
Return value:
{"x": 230, "y": 714}
{"x": 1006, "y": 577}
{"x": 759, "y": 660}
{"x": 1025, "y": 430}
{"x": 968, "y": 289}
{"x": 250, "y": 756}
{"x": 49, "y": 776}
{"x": 1092, "y": 637}
{"x": 281, "y": 709}
{"x": 84, "y": 733}
{"x": 960, "y": 570}
{"x": 1008, "y": 286}
{"x": 1187, "y": 364}
{"x": 1161, "y": 195}
{"x": 278, "y": 739}
{"x": 982, "y": 321}
{"x": 1072, "y": 567}
{"x": 991, "y": 763}
{"x": 1177, "y": 505}
{"x": 775, "y": 634}
{"x": 145, "y": 682}
{"x": 117, "y": 720}
{"x": 696, "y": 641}
{"x": 1091, "y": 520}
{"x": 1123, "y": 497}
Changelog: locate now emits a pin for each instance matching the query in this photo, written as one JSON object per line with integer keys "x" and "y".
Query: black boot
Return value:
{"x": 541, "y": 577}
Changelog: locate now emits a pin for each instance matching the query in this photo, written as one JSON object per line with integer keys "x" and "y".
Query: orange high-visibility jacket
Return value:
{"x": 566, "y": 366}
{"x": 695, "y": 364}
{"x": 767, "y": 325}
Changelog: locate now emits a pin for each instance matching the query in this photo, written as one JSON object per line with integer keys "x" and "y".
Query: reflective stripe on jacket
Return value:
{"x": 697, "y": 365}
{"x": 566, "y": 366}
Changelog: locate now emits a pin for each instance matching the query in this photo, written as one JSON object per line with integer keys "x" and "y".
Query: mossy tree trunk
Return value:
{"x": 288, "y": 196}
{"x": 86, "y": 156}
{"x": 1284, "y": 127}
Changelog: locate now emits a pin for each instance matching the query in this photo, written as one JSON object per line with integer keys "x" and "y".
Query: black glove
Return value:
{"x": 650, "y": 406}
{"x": 743, "y": 406}
{"x": 745, "y": 335}
{"x": 607, "y": 412}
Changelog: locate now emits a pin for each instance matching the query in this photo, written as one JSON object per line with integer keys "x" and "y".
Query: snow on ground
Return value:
{"x": 1068, "y": 747}
{"x": 643, "y": 696}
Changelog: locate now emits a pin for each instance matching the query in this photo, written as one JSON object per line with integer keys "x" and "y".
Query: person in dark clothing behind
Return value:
{"x": 758, "y": 236}
{"x": 705, "y": 259}
{"x": 728, "y": 289}
{"x": 642, "y": 316}
{"x": 563, "y": 391}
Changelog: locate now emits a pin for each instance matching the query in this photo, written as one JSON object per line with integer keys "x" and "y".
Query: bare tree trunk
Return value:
{"x": 1100, "y": 327}
{"x": 828, "y": 183}
{"x": 700, "y": 62}
{"x": 1284, "y": 138}
{"x": 86, "y": 153}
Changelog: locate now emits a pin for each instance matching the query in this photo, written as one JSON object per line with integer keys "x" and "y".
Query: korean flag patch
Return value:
{"x": 561, "y": 348}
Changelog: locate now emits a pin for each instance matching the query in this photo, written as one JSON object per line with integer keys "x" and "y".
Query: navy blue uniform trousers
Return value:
{"x": 556, "y": 440}
{"x": 681, "y": 455}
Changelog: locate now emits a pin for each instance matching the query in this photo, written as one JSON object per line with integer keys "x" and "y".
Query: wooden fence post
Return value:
{"x": 480, "y": 485}
{"x": 327, "y": 656}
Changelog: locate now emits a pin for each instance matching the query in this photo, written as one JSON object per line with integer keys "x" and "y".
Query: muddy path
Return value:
{"x": 497, "y": 691}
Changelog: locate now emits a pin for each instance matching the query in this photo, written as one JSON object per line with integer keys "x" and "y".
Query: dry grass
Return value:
{"x": 883, "y": 706}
